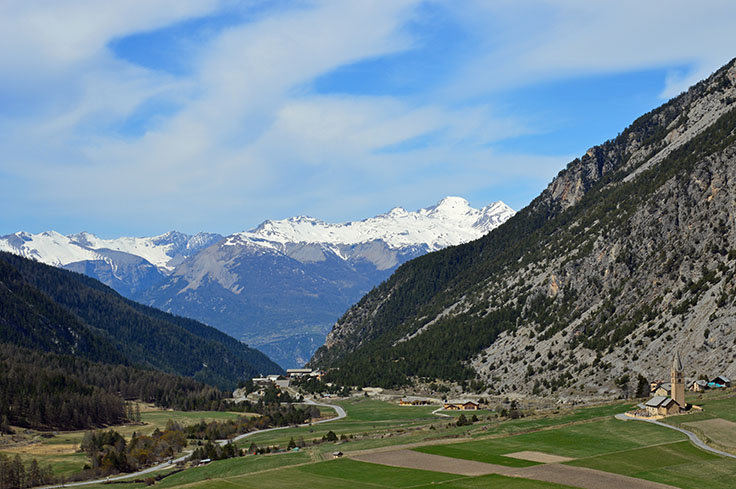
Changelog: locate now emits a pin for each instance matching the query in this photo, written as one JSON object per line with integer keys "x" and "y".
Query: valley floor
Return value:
{"x": 387, "y": 446}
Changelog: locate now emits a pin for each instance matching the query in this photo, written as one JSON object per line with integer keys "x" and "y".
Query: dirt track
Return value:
{"x": 553, "y": 472}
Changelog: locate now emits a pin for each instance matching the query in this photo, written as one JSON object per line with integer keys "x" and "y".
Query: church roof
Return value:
{"x": 676, "y": 362}
{"x": 658, "y": 401}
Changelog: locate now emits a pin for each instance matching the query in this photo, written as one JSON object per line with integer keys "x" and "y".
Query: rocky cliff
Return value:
{"x": 627, "y": 256}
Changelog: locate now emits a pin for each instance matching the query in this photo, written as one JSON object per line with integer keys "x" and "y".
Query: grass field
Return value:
{"x": 578, "y": 440}
{"x": 589, "y": 435}
{"x": 344, "y": 473}
{"x": 716, "y": 404}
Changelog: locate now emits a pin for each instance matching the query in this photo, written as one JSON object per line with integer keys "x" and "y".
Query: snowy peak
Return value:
{"x": 164, "y": 251}
{"x": 450, "y": 222}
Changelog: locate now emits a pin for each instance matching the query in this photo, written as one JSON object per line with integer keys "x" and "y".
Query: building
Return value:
{"x": 464, "y": 405}
{"x": 669, "y": 398}
{"x": 298, "y": 372}
{"x": 661, "y": 406}
{"x": 663, "y": 389}
{"x": 720, "y": 382}
{"x": 336, "y": 454}
{"x": 698, "y": 386}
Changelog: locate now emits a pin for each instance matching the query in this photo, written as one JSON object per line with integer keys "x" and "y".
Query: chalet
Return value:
{"x": 720, "y": 382}
{"x": 698, "y": 386}
{"x": 661, "y": 406}
{"x": 336, "y": 454}
{"x": 464, "y": 405}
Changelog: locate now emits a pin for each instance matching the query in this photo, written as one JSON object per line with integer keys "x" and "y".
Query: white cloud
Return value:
{"x": 250, "y": 140}
{"x": 531, "y": 41}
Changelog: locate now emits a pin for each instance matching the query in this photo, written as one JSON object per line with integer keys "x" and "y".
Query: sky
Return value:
{"x": 136, "y": 117}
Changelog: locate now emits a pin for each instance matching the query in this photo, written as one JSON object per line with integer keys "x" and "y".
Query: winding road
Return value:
{"x": 340, "y": 415}
{"x": 693, "y": 437}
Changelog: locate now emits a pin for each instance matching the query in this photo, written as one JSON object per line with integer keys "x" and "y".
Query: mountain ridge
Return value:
{"x": 279, "y": 286}
{"x": 600, "y": 275}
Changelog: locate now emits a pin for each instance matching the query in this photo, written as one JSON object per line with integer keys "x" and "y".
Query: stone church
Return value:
{"x": 675, "y": 403}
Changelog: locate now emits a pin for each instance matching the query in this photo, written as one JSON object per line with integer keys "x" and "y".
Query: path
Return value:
{"x": 437, "y": 412}
{"x": 340, "y": 415}
{"x": 693, "y": 437}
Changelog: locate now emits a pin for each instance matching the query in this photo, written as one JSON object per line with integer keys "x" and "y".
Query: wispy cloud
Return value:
{"x": 90, "y": 137}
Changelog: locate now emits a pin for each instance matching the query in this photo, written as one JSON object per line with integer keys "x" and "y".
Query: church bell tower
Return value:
{"x": 678, "y": 381}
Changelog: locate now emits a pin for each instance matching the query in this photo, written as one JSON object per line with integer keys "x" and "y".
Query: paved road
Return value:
{"x": 340, "y": 415}
{"x": 693, "y": 437}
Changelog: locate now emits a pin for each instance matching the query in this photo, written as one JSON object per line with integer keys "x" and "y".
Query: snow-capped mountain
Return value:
{"x": 129, "y": 265}
{"x": 283, "y": 284}
{"x": 279, "y": 286}
{"x": 452, "y": 221}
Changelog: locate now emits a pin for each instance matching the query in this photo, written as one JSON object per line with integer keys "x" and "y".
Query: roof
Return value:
{"x": 676, "y": 362}
{"x": 656, "y": 401}
{"x": 723, "y": 378}
{"x": 700, "y": 382}
{"x": 461, "y": 401}
{"x": 298, "y": 370}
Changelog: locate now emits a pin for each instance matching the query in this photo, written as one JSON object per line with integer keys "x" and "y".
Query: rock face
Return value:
{"x": 626, "y": 257}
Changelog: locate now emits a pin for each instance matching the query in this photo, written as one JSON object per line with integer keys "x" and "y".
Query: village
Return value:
{"x": 668, "y": 398}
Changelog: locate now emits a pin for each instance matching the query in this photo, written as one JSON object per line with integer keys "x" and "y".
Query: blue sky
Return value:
{"x": 138, "y": 117}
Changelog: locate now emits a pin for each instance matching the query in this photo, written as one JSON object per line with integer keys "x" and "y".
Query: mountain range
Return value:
{"x": 278, "y": 287}
{"x": 628, "y": 256}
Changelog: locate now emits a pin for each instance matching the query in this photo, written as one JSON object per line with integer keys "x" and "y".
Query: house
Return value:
{"x": 663, "y": 390}
{"x": 720, "y": 382}
{"x": 653, "y": 386}
{"x": 661, "y": 406}
{"x": 261, "y": 381}
{"x": 336, "y": 454}
{"x": 698, "y": 386}
{"x": 464, "y": 405}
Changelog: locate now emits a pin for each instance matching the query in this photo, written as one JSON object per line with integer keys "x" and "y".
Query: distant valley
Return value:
{"x": 279, "y": 287}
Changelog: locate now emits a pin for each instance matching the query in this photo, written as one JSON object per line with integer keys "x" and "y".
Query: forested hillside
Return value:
{"x": 63, "y": 312}
{"x": 47, "y": 390}
{"x": 627, "y": 255}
